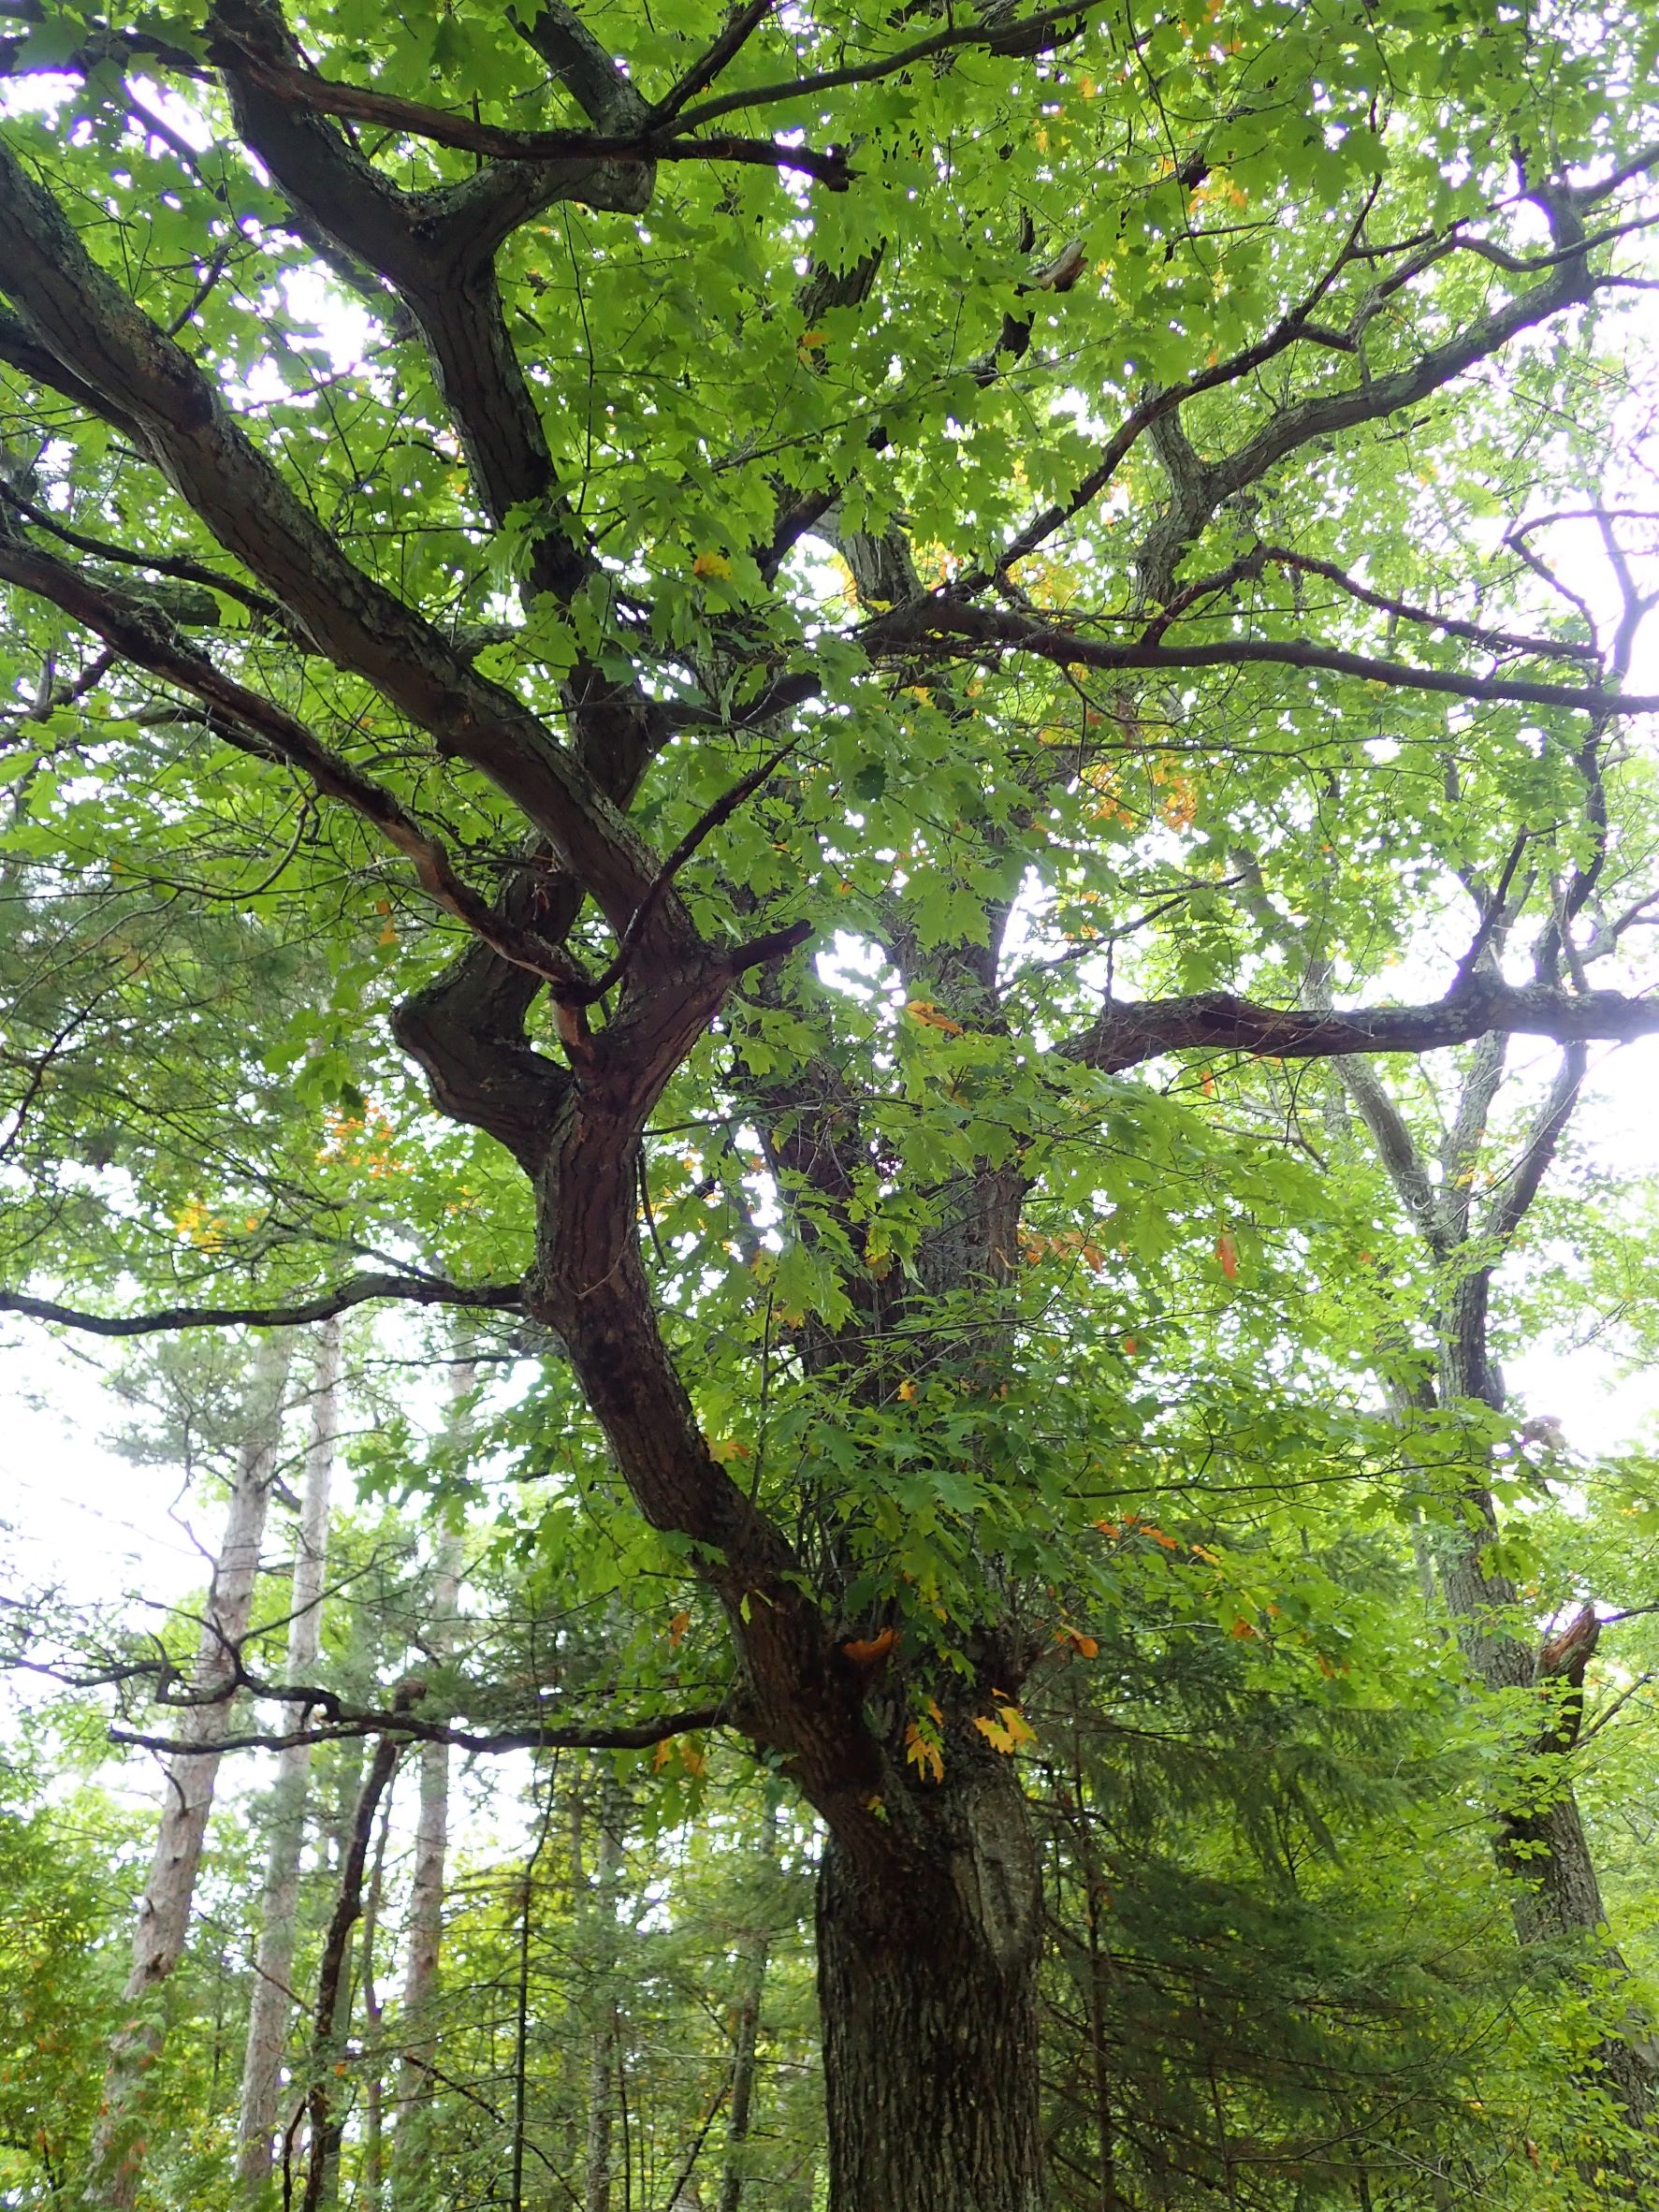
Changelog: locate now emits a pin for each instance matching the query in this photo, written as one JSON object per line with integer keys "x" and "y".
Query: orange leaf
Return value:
{"x": 868, "y": 1653}
{"x": 1226, "y": 1252}
{"x": 1243, "y": 1632}
{"x": 677, "y": 1626}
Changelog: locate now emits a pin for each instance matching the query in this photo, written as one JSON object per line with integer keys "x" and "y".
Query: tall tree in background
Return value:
{"x": 189, "y": 1779}
{"x": 931, "y": 487}
{"x": 273, "y": 2006}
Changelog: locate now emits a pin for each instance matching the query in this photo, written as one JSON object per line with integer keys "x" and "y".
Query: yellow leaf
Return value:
{"x": 1006, "y": 1730}
{"x": 906, "y": 1390}
{"x": 712, "y": 564}
{"x": 924, "y": 1754}
{"x": 1203, "y": 1551}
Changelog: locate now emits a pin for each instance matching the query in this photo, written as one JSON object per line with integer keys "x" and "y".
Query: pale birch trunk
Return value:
{"x": 273, "y": 1995}
{"x": 163, "y": 1909}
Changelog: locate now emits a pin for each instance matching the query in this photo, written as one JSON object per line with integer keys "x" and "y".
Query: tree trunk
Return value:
{"x": 273, "y": 1971}
{"x": 602, "y": 2059}
{"x": 323, "y": 2124}
{"x": 927, "y": 1991}
{"x": 431, "y": 1849}
{"x": 163, "y": 1909}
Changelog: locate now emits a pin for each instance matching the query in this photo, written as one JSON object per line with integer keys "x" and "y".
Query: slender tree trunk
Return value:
{"x": 431, "y": 1851}
{"x": 751, "y": 1988}
{"x": 163, "y": 1909}
{"x": 928, "y": 1999}
{"x": 602, "y": 2054}
{"x": 274, "y": 1970}
{"x": 323, "y": 2122}
{"x": 373, "y": 2084}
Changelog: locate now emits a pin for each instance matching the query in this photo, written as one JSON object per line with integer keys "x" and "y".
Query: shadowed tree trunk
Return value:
{"x": 929, "y": 2009}
{"x": 163, "y": 1909}
{"x": 273, "y": 2005}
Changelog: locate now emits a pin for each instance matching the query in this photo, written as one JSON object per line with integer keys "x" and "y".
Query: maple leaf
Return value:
{"x": 923, "y": 1753}
{"x": 676, "y": 1628}
{"x": 1006, "y": 1729}
{"x": 1226, "y": 1252}
{"x": 712, "y": 564}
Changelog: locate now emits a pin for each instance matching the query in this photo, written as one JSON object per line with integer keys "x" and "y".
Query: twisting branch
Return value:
{"x": 256, "y": 725}
{"x": 354, "y": 103}
{"x": 938, "y": 620}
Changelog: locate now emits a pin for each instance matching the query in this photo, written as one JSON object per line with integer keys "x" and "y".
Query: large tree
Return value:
{"x": 735, "y": 584}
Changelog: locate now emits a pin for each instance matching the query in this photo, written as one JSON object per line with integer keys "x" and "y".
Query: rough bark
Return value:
{"x": 273, "y": 1994}
{"x": 118, "y": 2145}
{"x": 929, "y": 1997}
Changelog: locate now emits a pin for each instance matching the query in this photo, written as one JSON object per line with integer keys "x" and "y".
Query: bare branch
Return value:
{"x": 353, "y": 1723}
{"x": 360, "y": 1290}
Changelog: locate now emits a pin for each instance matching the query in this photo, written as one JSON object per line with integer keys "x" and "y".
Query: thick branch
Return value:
{"x": 181, "y": 419}
{"x": 1125, "y": 1035}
